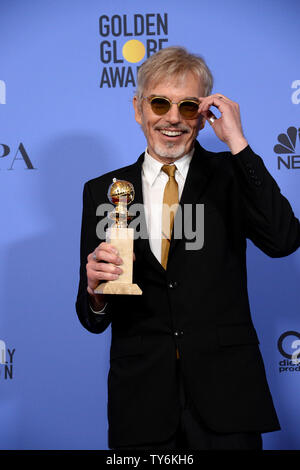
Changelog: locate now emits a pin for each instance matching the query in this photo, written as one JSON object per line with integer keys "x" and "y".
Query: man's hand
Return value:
{"x": 228, "y": 126}
{"x": 98, "y": 269}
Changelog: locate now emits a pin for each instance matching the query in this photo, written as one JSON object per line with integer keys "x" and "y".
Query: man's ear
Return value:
{"x": 137, "y": 110}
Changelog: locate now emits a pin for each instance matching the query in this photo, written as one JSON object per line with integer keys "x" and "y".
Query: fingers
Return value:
{"x": 103, "y": 264}
{"x": 213, "y": 100}
{"x": 95, "y": 276}
{"x": 227, "y": 127}
{"x": 222, "y": 97}
{"x": 218, "y": 100}
{"x": 217, "y": 96}
{"x": 228, "y": 108}
{"x": 106, "y": 267}
{"x": 105, "y": 252}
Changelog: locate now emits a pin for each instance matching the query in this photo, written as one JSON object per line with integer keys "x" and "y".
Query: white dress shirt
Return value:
{"x": 154, "y": 181}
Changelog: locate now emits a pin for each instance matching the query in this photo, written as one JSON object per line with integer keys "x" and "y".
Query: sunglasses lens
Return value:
{"x": 160, "y": 106}
{"x": 189, "y": 109}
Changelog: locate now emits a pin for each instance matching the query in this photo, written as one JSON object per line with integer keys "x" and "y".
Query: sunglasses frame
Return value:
{"x": 186, "y": 100}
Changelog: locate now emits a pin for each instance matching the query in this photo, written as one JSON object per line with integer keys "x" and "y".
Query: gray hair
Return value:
{"x": 173, "y": 62}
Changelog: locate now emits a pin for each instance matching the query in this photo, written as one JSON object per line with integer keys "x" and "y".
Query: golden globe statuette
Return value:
{"x": 121, "y": 193}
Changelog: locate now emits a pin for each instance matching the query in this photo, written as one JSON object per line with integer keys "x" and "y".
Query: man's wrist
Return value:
{"x": 97, "y": 302}
{"x": 238, "y": 145}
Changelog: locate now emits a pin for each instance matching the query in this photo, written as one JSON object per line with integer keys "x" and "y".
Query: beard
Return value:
{"x": 170, "y": 150}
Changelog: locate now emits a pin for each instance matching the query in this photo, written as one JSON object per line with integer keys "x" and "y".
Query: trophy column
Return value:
{"x": 121, "y": 237}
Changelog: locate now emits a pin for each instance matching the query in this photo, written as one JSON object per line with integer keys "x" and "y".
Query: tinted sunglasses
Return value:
{"x": 161, "y": 105}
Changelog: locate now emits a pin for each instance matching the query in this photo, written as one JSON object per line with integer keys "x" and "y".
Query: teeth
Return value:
{"x": 171, "y": 133}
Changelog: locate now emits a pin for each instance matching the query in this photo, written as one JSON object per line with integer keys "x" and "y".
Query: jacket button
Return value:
{"x": 172, "y": 284}
{"x": 178, "y": 333}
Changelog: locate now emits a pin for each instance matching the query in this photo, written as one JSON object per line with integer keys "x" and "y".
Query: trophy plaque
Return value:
{"x": 121, "y": 194}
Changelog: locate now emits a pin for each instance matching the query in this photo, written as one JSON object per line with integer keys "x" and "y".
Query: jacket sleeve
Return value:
{"x": 269, "y": 219}
{"x": 93, "y": 322}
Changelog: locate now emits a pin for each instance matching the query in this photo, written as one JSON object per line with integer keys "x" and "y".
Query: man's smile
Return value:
{"x": 171, "y": 132}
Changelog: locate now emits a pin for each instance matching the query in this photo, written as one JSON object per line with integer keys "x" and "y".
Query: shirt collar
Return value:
{"x": 152, "y": 167}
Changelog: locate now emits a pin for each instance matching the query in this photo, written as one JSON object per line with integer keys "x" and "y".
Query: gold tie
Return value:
{"x": 168, "y": 212}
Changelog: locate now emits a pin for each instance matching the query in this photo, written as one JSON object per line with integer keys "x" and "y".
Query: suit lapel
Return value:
{"x": 195, "y": 184}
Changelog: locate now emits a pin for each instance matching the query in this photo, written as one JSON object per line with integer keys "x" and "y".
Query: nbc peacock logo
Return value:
{"x": 286, "y": 149}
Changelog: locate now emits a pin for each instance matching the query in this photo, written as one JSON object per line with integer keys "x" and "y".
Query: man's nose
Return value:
{"x": 173, "y": 115}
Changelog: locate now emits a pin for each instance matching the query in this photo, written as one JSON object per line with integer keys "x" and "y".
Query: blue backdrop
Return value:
{"x": 66, "y": 86}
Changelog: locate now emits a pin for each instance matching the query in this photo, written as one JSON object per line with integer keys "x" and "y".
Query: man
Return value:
{"x": 185, "y": 366}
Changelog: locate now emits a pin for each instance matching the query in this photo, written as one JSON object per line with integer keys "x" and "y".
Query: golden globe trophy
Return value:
{"x": 121, "y": 193}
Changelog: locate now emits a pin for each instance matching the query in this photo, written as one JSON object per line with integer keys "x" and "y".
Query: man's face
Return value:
{"x": 170, "y": 136}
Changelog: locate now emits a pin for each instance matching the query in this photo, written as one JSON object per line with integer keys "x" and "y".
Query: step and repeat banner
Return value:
{"x": 67, "y": 78}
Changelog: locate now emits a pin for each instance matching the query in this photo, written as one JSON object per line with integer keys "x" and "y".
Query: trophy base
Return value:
{"x": 121, "y": 288}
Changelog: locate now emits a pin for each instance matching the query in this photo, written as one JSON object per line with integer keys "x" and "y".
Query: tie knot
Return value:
{"x": 169, "y": 169}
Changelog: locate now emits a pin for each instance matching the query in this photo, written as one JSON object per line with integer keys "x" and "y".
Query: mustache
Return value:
{"x": 177, "y": 127}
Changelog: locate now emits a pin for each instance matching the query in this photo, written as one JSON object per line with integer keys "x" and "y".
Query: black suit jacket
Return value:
{"x": 200, "y": 304}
